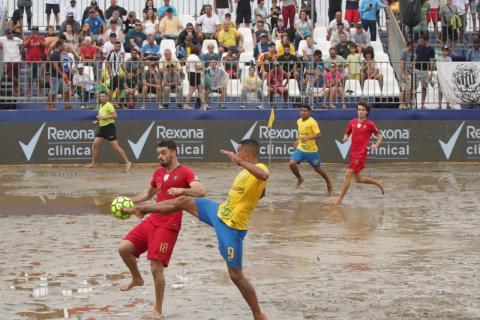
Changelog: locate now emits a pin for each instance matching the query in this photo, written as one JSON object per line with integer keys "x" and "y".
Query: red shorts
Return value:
{"x": 432, "y": 15}
{"x": 357, "y": 164}
{"x": 352, "y": 16}
{"x": 159, "y": 241}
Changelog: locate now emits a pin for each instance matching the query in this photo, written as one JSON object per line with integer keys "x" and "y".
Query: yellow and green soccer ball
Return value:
{"x": 119, "y": 203}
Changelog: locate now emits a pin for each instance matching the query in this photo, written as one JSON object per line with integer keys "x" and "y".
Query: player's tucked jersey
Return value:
{"x": 242, "y": 199}
{"x": 180, "y": 177}
{"x": 308, "y": 127}
{"x": 361, "y": 133}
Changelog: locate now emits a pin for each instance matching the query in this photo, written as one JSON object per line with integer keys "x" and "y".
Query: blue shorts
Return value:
{"x": 311, "y": 157}
{"x": 230, "y": 241}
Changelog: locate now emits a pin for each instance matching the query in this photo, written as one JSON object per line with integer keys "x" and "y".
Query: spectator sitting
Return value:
{"x": 93, "y": 6}
{"x": 354, "y": 65}
{"x": 150, "y": 50}
{"x": 308, "y": 50}
{"x": 170, "y": 26}
{"x": 83, "y": 85}
{"x": 110, "y": 45}
{"x": 252, "y": 85}
{"x": 230, "y": 38}
{"x": 88, "y": 51}
{"x": 230, "y": 61}
{"x": 335, "y": 38}
{"x": 279, "y": 31}
{"x": 97, "y": 26}
{"x": 360, "y": 37}
{"x": 189, "y": 31}
{"x": 73, "y": 8}
{"x": 117, "y": 18}
{"x": 261, "y": 46}
{"x": 210, "y": 55}
{"x": 163, "y": 9}
{"x": 35, "y": 45}
{"x": 114, "y": 7}
{"x": 71, "y": 39}
{"x": 370, "y": 69}
{"x": 149, "y": 5}
{"x": 343, "y": 47}
{"x": 151, "y": 25}
{"x": 473, "y": 54}
{"x": 72, "y": 22}
{"x": 207, "y": 24}
{"x": 135, "y": 37}
{"x": 303, "y": 28}
{"x": 333, "y": 26}
{"x": 227, "y": 19}
{"x": 152, "y": 83}
{"x": 114, "y": 28}
{"x": 334, "y": 58}
{"x": 84, "y": 33}
{"x": 171, "y": 83}
{"x": 276, "y": 78}
{"x": 265, "y": 59}
{"x": 333, "y": 87}
{"x": 130, "y": 87}
{"x": 135, "y": 63}
{"x": 285, "y": 43}
{"x": 260, "y": 31}
{"x": 185, "y": 50}
{"x": 218, "y": 81}
{"x": 290, "y": 64}
{"x": 129, "y": 23}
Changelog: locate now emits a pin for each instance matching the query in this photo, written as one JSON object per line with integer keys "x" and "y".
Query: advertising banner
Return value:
{"x": 71, "y": 141}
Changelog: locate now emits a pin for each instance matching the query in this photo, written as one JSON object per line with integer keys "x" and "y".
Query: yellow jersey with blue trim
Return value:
{"x": 242, "y": 198}
{"x": 307, "y": 127}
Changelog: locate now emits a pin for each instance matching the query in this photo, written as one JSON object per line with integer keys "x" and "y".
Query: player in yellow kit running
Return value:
{"x": 308, "y": 132}
{"x": 229, "y": 219}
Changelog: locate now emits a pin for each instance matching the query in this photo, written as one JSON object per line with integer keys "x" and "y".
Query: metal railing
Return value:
{"x": 140, "y": 86}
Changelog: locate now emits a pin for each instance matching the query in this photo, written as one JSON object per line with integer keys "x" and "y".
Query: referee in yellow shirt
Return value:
{"x": 308, "y": 132}
{"x": 106, "y": 119}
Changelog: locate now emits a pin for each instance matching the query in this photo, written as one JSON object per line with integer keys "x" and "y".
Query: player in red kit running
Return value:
{"x": 361, "y": 130}
{"x": 157, "y": 234}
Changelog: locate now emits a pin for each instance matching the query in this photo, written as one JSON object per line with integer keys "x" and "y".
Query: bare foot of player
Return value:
{"x": 155, "y": 315}
{"x": 131, "y": 284}
{"x": 380, "y": 185}
{"x": 128, "y": 166}
{"x": 260, "y": 317}
{"x": 337, "y": 201}
{"x": 91, "y": 165}
{"x": 299, "y": 183}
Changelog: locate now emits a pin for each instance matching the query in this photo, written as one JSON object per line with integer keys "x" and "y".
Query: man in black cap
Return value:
{"x": 114, "y": 7}
{"x": 93, "y": 6}
{"x": 71, "y": 21}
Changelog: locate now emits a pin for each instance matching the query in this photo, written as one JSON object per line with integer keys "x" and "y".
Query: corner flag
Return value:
{"x": 271, "y": 119}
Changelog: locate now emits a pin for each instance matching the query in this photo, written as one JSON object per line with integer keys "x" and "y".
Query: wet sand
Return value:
{"x": 413, "y": 253}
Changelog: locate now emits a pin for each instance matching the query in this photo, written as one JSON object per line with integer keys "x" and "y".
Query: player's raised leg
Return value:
{"x": 126, "y": 249}
{"x": 367, "y": 180}
{"x": 247, "y": 291}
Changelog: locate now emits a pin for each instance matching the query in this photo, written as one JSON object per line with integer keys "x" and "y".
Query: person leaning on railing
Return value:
{"x": 35, "y": 46}
{"x": 57, "y": 82}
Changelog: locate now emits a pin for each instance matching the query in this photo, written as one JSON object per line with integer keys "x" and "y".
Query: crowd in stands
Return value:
{"x": 157, "y": 57}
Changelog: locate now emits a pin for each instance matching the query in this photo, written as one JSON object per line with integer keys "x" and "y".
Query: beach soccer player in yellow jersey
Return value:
{"x": 308, "y": 132}
{"x": 106, "y": 119}
{"x": 229, "y": 219}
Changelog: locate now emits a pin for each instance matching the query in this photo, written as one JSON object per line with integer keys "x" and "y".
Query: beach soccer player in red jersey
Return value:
{"x": 361, "y": 130}
{"x": 157, "y": 234}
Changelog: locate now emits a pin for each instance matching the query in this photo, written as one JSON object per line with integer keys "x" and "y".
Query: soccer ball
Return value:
{"x": 119, "y": 203}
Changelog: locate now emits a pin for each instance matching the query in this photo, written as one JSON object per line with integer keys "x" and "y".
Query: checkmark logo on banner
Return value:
{"x": 447, "y": 147}
{"x": 137, "y": 147}
{"x": 30, "y": 146}
{"x": 247, "y": 135}
{"x": 344, "y": 147}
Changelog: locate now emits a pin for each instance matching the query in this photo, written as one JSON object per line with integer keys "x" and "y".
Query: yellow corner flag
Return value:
{"x": 271, "y": 119}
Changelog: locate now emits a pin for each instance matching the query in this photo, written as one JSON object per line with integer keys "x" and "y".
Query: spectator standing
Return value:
{"x": 289, "y": 8}
{"x": 351, "y": 12}
{"x": 194, "y": 67}
{"x": 35, "y": 46}
{"x": 276, "y": 79}
{"x": 275, "y": 12}
{"x": 114, "y": 7}
{"x": 16, "y": 23}
{"x": 462, "y": 6}
{"x": 334, "y": 6}
{"x": 354, "y": 64}
{"x": 73, "y": 8}
{"x": 251, "y": 86}
{"x": 218, "y": 80}
{"x": 150, "y": 50}
{"x": 57, "y": 82}
{"x": 135, "y": 37}
{"x": 244, "y": 13}
{"x": 163, "y": 9}
{"x": 114, "y": 64}
{"x": 170, "y": 26}
{"x": 406, "y": 72}
{"x": 93, "y": 6}
{"x": 10, "y": 46}
{"x": 172, "y": 83}
{"x": 449, "y": 13}
{"x": 207, "y": 24}
{"x": 53, "y": 6}
{"x": 423, "y": 63}
{"x": 433, "y": 16}
{"x": 443, "y": 58}
{"x": 422, "y": 28}
{"x": 368, "y": 14}
{"x": 26, "y": 6}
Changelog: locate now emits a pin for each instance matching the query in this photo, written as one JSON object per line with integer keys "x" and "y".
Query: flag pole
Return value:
{"x": 271, "y": 119}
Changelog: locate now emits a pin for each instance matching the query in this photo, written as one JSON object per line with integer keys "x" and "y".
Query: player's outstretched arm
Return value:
{"x": 196, "y": 190}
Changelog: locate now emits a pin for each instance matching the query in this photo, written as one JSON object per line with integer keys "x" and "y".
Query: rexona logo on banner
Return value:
{"x": 395, "y": 145}
{"x": 190, "y": 141}
{"x": 30, "y": 146}
{"x": 276, "y": 143}
{"x": 69, "y": 144}
{"x": 137, "y": 147}
{"x": 472, "y": 140}
{"x": 447, "y": 147}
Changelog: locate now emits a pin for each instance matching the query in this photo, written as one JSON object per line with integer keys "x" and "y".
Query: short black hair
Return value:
{"x": 306, "y": 106}
{"x": 365, "y": 104}
{"x": 169, "y": 144}
{"x": 102, "y": 92}
{"x": 252, "y": 144}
